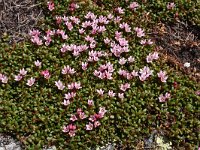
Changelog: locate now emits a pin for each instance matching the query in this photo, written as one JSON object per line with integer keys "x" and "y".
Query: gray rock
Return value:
{"x": 9, "y": 143}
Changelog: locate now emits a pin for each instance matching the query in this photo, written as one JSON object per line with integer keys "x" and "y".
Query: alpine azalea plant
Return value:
{"x": 93, "y": 75}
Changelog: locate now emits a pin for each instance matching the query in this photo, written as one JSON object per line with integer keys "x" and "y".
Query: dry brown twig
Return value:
{"x": 17, "y": 17}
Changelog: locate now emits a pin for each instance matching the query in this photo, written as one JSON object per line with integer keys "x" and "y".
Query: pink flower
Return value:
{"x": 73, "y": 118}
{"x": 81, "y": 31}
{"x": 162, "y": 75}
{"x": 124, "y": 87}
{"x": 59, "y": 84}
{"x": 133, "y": 5}
{"x": 139, "y": 31}
{"x": 145, "y": 73}
{"x": 167, "y": 95}
{"x": 46, "y": 74}
{"x": 117, "y": 19}
{"x": 69, "y": 25}
{"x": 146, "y": 42}
{"x": 38, "y": 63}
{"x": 34, "y": 32}
{"x": 197, "y": 93}
{"x": 50, "y": 5}
{"x": 18, "y": 77}
{"x": 68, "y": 96}
{"x": 92, "y": 118}
{"x": 151, "y": 57}
{"x": 120, "y": 10}
{"x": 134, "y": 73}
{"x": 70, "y": 128}
{"x": 31, "y": 81}
{"x": 65, "y": 129}
{"x": 96, "y": 124}
{"x": 155, "y": 55}
{"x": 131, "y": 59}
{"x": 111, "y": 93}
{"x": 66, "y": 102}
{"x": 106, "y": 41}
{"x": 68, "y": 70}
{"x": 84, "y": 65}
{"x": 82, "y": 115}
{"x": 79, "y": 110}
{"x": 170, "y": 5}
{"x": 110, "y": 16}
{"x": 36, "y": 40}
{"x": 89, "y": 126}
{"x": 74, "y": 85}
{"x": 102, "y": 112}
{"x": 100, "y": 92}
{"x": 90, "y": 102}
{"x": 122, "y": 72}
{"x": 122, "y": 61}
{"x": 23, "y": 72}
{"x": 77, "y": 85}
{"x": 164, "y": 98}
{"x": 3, "y": 78}
{"x": 121, "y": 95}
{"x": 71, "y": 133}
{"x": 73, "y": 6}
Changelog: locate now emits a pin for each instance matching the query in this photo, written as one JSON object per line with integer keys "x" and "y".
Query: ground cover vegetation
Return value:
{"x": 91, "y": 73}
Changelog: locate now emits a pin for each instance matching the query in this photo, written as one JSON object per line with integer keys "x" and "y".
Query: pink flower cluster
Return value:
{"x": 46, "y": 74}
{"x": 97, "y": 24}
{"x": 145, "y": 73}
{"x": 105, "y": 71}
{"x": 124, "y": 87}
{"x": 80, "y": 114}
{"x": 164, "y": 98}
{"x": 47, "y": 38}
{"x": 122, "y": 60}
{"x": 68, "y": 97}
{"x": 133, "y": 6}
{"x": 62, "y": 33}
{"x": 127, "y": 75}
{"x": 151, "y": 57}
{"x": 3, "y": 78}
{"x": 95, "y": 119}
{"x": 22, "y": 73}
{"x": 74, "y": 86}
{"x": 94, "y": 56}
{"x": 170, "y": 5}
{"x": 73, "y": 6}
{"x": 146, "y": 42}
{"x": 68, "y": 70}
{"x": 118, "y": 49}
{"x": 119, "y": 10}
{"x": 162, "y": 75}
{"x": 125, "y": 26}
{"x": 75, "y": 49}
{"x": 71, "y": 129}
{"x": 139, "y": 32}
{"x": 35, "y": 37}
